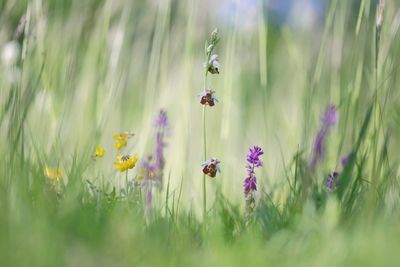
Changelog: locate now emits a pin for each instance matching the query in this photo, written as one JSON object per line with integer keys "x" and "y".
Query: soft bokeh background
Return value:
{"x": 109, "y": 66}
{"x": 81, "y": 71}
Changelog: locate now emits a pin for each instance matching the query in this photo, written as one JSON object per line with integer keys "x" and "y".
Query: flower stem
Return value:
{"x": 205, "y": 151}
{"x": 126, "y": 183}
{"x": 205, "y": 158}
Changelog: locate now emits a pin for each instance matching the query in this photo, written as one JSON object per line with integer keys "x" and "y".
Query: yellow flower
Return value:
{"x": 125, "y": 162}
{"x": 55, "y": 174}
{"x": 99, "y": 152}
{"x": 121, "y": 139}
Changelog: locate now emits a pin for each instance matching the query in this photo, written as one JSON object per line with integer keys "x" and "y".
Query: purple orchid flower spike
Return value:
{"x": 253, "y": 162}
{"x": 345, "y": 160}
{"x": 328, "y": 120}
{"x": 161, "y": 120}
{"x": 151, "y": 172}
{"x": 332, "y": 181}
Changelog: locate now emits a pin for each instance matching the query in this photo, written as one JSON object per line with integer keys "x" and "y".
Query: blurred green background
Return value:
{"x": 75, "y": 72}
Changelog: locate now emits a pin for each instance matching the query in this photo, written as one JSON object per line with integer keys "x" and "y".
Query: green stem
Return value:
{"x": 205, "y": 152}
{"x": 377, "y": 116}
{"x": 376, "y": 103}
{"x": 126, "y": 183}
{"x": 205, "y": 158}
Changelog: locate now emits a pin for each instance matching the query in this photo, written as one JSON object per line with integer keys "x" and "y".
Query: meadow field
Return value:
{"x": 200, "y": 133}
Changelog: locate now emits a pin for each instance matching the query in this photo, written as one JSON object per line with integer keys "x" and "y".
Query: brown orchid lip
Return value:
{"x": 213, "y": 70}
{"x": 211, "y": 169}
{"x": 208, "y": 99}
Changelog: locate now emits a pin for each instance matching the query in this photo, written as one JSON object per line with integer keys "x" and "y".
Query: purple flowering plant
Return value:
{"x": 328, "y": 120}
{"x": 345, "y": 160}
{"x": 253, "y": 162}
{"x": 151, "y": 171}
{"x": 332, "y": 181}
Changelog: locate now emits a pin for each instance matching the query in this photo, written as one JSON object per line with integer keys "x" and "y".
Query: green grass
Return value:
{"x": 89, "y": 69}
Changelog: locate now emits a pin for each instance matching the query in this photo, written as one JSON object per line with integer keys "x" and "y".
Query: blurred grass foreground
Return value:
{"x": 126, "y": 140}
